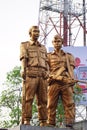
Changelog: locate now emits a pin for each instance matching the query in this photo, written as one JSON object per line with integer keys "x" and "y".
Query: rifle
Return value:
{"x": 58, "y": 77}
{"x": 72, "y": 81}
{"x": 55, "y": 75}
{"x": 81, "y": 81}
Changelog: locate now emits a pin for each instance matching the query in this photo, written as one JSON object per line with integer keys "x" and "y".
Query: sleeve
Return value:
{"x": 23, "y": 51}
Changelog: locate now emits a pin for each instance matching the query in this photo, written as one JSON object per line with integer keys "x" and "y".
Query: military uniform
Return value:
{"x": 36, "y": 68}
{"x": 64, "y": 89}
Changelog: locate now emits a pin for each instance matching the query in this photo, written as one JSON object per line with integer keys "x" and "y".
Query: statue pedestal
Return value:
{"x": 40, "y": 128}
{"x": 77, "y": 126}
{"x": 27, "y": 127}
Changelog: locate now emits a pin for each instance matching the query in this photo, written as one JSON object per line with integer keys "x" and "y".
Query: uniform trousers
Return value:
{"x": 35, "y": 86}
{"x": 55, "y": 90}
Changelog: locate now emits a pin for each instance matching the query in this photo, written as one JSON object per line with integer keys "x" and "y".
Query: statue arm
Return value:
{"x": 23, "y": 59}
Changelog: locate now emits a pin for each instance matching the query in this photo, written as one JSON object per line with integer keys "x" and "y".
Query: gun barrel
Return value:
{"x": 81, "y": 81}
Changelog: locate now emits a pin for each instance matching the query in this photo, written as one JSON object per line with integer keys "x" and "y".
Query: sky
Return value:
{"x": 16, "y": 17}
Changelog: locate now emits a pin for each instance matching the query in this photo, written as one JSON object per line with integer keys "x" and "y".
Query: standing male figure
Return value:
{"x": 34, "y": 69}
{"x": 61, "y": 67}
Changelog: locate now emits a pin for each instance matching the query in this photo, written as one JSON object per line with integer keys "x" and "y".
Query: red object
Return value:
{"x": 77, "y": 61}
{"x": 84, "y": 88}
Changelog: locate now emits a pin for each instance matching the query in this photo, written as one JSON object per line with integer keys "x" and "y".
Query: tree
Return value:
{"x": 10, "y": 98}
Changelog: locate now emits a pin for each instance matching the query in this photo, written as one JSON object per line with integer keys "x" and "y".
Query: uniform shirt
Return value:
{"x": 56, "y": 61}
{"x": 35, "y": 53}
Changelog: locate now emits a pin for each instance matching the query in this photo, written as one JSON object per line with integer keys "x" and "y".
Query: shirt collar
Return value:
{"x": 62, "y": 52}
{"x": 34, "y": 43}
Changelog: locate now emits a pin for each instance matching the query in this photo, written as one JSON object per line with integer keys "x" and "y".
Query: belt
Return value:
{"x": 34, "y": 72}
{"x": 36, "y": 68}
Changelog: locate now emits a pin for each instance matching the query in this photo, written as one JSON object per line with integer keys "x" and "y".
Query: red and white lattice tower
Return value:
{"x": 65, "y": 17}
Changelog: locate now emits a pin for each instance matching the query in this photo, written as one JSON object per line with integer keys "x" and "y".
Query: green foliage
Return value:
{"x": 34, "y": 121}
{"x": 13, "y": 77}
{"x": 78, "y": 95}
{"x": 34, "y": 109}
{"x": 59, "y": 113}
{"x": 11, "y": 98}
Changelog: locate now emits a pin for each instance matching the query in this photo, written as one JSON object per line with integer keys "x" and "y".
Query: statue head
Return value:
{"x": 32, "y": 28}
{"x": 57, "y": 37}
{"x": 57, "y": 42}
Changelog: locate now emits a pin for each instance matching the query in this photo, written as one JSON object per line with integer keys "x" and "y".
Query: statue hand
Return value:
{"x": 23, "y": 74}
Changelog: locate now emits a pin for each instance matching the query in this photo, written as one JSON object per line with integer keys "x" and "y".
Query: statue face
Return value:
{"x": 35, "y": 33}
{"x": 57, "y": 43}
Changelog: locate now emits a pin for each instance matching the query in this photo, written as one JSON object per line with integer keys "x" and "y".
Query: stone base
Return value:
{"x": 77, "y": 126}
{"x": 40, "y": 128}
{"x": 27, "y": 127}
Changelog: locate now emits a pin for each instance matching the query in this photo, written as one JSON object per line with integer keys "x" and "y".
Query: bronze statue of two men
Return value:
{"x": 46, "y": 76}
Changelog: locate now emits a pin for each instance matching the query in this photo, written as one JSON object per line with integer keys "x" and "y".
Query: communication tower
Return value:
{"x": 65, "y": 17}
